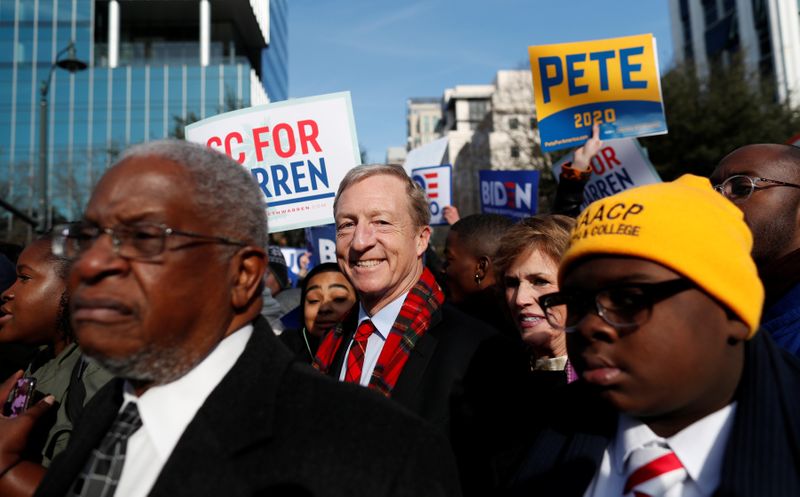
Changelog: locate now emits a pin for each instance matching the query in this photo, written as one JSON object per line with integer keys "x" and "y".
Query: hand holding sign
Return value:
{"x": 617, "y": 166}
{"x": 451, "y": 214}
{"x": 584, "y": 155}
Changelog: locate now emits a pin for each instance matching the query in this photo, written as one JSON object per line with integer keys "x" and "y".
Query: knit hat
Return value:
{"x": 683, "y": 225}
{"x": 277, "y": 264}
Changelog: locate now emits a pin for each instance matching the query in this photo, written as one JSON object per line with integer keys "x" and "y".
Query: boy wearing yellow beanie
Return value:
{"x": 678, "y": 393}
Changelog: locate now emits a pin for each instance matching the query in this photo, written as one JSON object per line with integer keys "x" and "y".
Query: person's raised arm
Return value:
{"x": 582, "y": 159}
{"x": 574, "y": 176}
{"x": 450, "y": 214}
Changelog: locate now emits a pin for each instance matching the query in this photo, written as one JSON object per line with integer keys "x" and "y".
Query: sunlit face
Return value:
{"x": 33, "y": 303}
{"x": 150, "y": 320}
{"x": 679, "y": 364}
{"x": 530, "y": 276}
{"x": 328, "y": 298}
{"x": 772, "y": 213}
{"x": 378, "y": 245}
{"x": 460, "y": 268}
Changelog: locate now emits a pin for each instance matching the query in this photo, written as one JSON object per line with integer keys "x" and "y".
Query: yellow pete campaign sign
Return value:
{"x": 613, "y": 82}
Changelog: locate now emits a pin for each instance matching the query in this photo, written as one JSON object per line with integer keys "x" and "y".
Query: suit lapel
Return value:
{"x": 237, "y": 415}
{"x": 762, "y": 455}
{"x": 563, "y": 458}
{"x": 581, "y": 456}
{"x": 410, "y": 380}
{"x": 97, "y": 418}
{"x": 348, "y": 330}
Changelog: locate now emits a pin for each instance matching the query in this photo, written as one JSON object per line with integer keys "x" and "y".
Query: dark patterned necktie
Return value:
{"x": 355, "y": 357}
{"x": 101, "y": 474}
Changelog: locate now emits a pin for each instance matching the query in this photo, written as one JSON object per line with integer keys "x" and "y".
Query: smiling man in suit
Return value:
{"x": 402, "y": 340}
{"x": 166, "y": 288}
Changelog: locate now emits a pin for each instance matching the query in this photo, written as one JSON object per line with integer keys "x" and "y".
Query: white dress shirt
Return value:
{"x": 166, "y": 411}
{"x": 383, "y": 321}
{"x": 700, "y": 448}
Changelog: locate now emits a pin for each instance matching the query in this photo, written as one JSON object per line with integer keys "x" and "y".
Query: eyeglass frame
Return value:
{"x": 652, "y": 293}
{"x": 59, "y": 241}
{"x": 720, "y": 188}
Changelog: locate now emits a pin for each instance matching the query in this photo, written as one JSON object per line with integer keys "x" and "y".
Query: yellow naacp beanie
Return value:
{"x": 684, "y": 225}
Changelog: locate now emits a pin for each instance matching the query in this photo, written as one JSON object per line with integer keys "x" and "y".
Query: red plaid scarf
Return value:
{"x": 413, "y": 321}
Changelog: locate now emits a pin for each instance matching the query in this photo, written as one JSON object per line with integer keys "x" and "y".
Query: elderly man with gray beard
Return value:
{"x": 166, "y": 289}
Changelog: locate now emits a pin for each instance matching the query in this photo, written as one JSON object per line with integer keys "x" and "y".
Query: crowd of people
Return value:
{"x": 645, "y": 346}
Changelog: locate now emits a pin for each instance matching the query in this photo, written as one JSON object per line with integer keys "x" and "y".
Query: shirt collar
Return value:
{"x": 166, "y": 410}
{"x": 67, "y": 352}
{"x": 700, "y": 446}
{"x": 384, "y": 319}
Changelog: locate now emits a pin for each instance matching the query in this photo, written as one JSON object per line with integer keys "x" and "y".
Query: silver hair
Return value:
{"x": 417, "y": 203}
{"x": 225, "y": 192}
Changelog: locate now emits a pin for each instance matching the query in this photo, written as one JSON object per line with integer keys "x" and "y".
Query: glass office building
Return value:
{"x": 153, "y": 67}
{"x": 275, "y": 59}
{"x": 764, "y": 33}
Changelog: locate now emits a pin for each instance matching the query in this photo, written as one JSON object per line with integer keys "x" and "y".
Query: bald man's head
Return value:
{"x": 773, "y": 209}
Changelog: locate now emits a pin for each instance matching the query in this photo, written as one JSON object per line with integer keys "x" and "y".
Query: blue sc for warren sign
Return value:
{"x": 510, "y": 193}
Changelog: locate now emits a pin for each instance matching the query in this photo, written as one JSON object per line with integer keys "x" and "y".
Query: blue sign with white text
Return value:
{"x": 510, "y": 193}
{"x": 322, "y": 243}
{"x": 292, "y": 256}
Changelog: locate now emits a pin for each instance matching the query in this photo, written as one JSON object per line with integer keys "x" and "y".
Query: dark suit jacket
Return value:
{"x": 762, "y": 457}
{"x": 467, "y": 379}
{"x": 277, "y": 427}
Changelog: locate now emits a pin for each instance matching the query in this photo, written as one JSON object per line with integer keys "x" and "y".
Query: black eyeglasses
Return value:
{"x": 739, "y": 188}
{"x": 134, "y": 241}
{"x": 624, "y": 307}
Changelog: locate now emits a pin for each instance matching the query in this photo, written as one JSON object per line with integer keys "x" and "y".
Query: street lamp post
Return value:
{"x": 71, "y": 64}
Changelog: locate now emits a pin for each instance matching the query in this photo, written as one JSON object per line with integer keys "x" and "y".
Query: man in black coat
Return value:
{"x": 763, "y": 180}
{"x": 166, "y": 293}
{"x": 447, "y": 367}
{"x": 679, "y": 394}
{"x": 262, "y": 432}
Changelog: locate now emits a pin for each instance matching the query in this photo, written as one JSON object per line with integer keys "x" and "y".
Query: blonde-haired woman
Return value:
{"x": 527, "y": 268}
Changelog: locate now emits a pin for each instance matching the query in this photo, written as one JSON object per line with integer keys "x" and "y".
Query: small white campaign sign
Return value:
{"x": 619, "y": 165}
{"x": 430, "y": 154}
{"x": 297, "y": 150}
{"x": 436, "y": 181}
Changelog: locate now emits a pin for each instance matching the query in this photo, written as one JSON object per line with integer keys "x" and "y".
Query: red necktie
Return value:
{"x": 652, "y": 471}
{"x": 355, "y": 358}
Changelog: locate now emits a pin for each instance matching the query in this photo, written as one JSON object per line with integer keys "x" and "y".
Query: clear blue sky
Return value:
{"x": 385, "y": 52}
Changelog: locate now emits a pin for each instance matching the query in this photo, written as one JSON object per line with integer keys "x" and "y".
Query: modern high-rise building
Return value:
{"x": 396, "y": 155}
{"x": 765, "y": 33}
{"x": 152, "y": 67}
{"x": 275, "y": 58}
{"x": 490, "y": 127}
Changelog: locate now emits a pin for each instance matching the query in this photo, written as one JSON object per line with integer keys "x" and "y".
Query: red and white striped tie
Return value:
{"x": 652, "y": 470}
